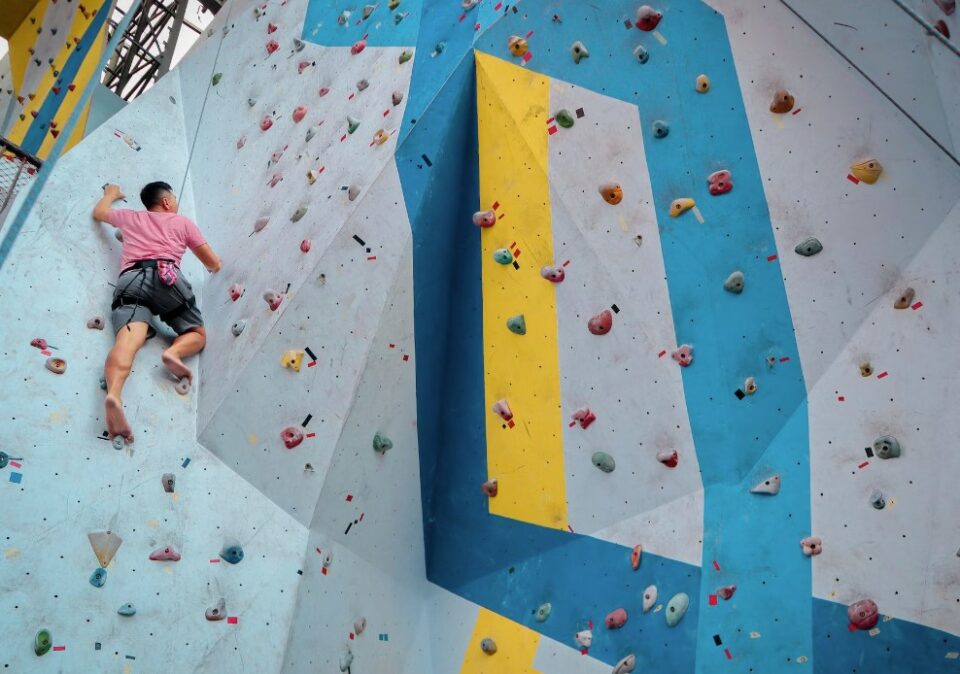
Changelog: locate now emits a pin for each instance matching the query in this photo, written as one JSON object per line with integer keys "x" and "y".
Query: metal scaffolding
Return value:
{"x": 146, "y": 51}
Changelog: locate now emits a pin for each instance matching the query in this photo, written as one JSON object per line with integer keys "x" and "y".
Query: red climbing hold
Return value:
{"x": 635, "y": 555}
{"x": 584, "y": 417}
{"x": 299, "y": 113}
{"x": 648, "y": 18}
{"x": 266, "y": 123}
{"x": 291, "y": 436}
{"x": 272, "y": 46}
{"x": 726, "y": 591}
{"x": 941, "y": 27}
{"x": 683, "y": 355}
{"x": 863, "y": 614}
{"x": 668, "y": 458}
{"x": 601, "y": 323}
{"x": 358, "y": 47}
{"x": 39, "y": 343}
{"x": 502, "y": 409}
{"x": 305, "y": 245}
{"x": 719, "y": 182}
{"x": 616, "y": 619}
{"x": 271, "y": 27}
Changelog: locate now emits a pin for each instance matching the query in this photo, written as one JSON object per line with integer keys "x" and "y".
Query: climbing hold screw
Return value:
{"x": 616, "y": 619}
{"x": 218, "y": 612}
{"x": 292, "y": 359}
{"x": 601, "y": 323}
{"x": 886, "y": 447}
{"x": 719, "y": 182}
{"x": 95, "y": 323}
{"x": 502, "y": 256}
{"x": 649, "y": 597}
{"x": 660, "y": 128}
{"x": 584, "y": 638}
{"x": 273, "y": 298}
{"x": 676, "y": 607}
{"x": 811, "y": 546}
{"x": 237, "y": 328}
{"x": 877, "y": 500}
{"x": 42, "y": 642}
{"x": 641, "y": 53}
{"x": 381, "y": 443}
{"x": 543, "y": 612}
{"x": 683, "y": 355}
{"x": 127, "y": 610}
{"x": 583, "y": 416}
{"x": 489, "y": 488}
{"x": 564, "y": 118}
{"x": 863, "y": 614}
{"x": 808, "y": 247}
{"x": 578, "y": 51}
{"x": 681, "y": 205}
{"x": 782, "y": 102}
{"x": 734, "y": 282}
{"x": 611, "y": 193}
{"x": 169, "y": 481}
{"x": 703, "y": 84}
{"x": 98, "y": 577}
{"x": 668, "y": 457}
{"x": 167, "y": 554}
{"x": 635, "y": 556}
{"x": 625, "y": 665}
{"x": 770, "y": 486}
{"x": 866, "y": 369}
{"x": 485, "y": 218}
{"x": 905, "y": 299}
{"x": 867, "y": 171}
{"x": 266, "y": 122}
{"x": 517, "y": 45}
{"x": 352, "y": 124}
{"x": 358, "y": 47}
{"x": 405, "y": 55}
{"x": 517, "y": 325}
{"x": 603, "y": 461}
{"x": 488, "y": 646}
{"x": 502, "y": 409}
{"x": 56, "y": 365}
{"x": 647, "y": 18}
{"x": 726, "y": 591}
{"x": 750, "y": 386}
{"x": 291, "y": 436}
{"x": 232, "y": 554}
{"x": 299, "y": 113}
{"x": 554, "y": 274}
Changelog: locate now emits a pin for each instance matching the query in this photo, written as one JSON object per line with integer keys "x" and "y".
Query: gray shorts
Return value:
{"x": 145, "y": 285}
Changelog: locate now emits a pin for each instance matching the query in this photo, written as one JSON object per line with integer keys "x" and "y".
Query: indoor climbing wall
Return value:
{"x": 550, "y": 337}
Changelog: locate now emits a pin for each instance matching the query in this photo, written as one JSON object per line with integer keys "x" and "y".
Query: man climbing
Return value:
{"x": 151, "y": 284}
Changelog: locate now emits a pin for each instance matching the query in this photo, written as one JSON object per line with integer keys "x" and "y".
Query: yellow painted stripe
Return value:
{"x": 516, "y": 647}
{"x": 526, "y": 460}
{"x": 20, "y": 41}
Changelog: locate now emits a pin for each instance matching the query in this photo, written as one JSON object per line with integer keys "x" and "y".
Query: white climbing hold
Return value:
{"x": 584, "y": 638}
{"x": 769, "y": 486}
{"x": 649, "y": 597}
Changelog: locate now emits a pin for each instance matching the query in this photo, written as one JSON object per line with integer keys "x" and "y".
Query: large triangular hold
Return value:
{"x": 769, "y": 486}
{"x": 105, "y": 545}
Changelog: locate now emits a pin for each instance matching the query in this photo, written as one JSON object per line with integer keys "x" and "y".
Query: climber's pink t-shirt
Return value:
{"x": 148, "y": 235}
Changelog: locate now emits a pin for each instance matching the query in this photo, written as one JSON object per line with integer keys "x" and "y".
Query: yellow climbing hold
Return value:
{"x": 867, "y": 171}
{"x": 681, "y": 205}
{"x": 292, "y": 359}
{"x": 703, "y": 84}
{"x": 518, "y": 46}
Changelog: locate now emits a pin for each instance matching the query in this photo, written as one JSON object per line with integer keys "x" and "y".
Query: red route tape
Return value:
{"x": 916, "y": 305}
{"x": 59, "y": 648}
{"x": 863, "y": 465}
{"x": 727, "y": 653}
{"x": 853, "y": 179}
{"x": 713, "y": 600}
{"x": 771, "y": 258}
{"x": 232, "y": 620}
{"x": 882, "y": 374}
{"x": 715, "y": 565}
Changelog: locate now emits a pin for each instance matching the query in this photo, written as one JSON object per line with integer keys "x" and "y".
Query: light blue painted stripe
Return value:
{"x": 36, "y": 187}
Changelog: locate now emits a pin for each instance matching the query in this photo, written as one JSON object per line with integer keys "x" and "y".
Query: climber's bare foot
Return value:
{"x": 117, "y": 420}
{"x": 173, "y": 363}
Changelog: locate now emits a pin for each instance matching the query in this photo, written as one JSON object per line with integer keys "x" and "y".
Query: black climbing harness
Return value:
{"x": 124, "y": 298}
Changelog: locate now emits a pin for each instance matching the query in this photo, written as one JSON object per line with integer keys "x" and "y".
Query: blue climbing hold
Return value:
{"x": 660, "y": 128}
{"x": 232, "y": 554}
{"x": 98, "y": 577}
{"x": 127, "y": 610}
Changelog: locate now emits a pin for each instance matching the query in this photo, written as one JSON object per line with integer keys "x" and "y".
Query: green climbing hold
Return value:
{"x": 299, "y": 213}
{"x": 381, "y": 443}
{"x": 352, "y": 124}
{"x": 502, "y": 256}
{"x": 98, "y": 577}
{"x": 517, "y": 325}
{"x": 603, "y": 461}
{"x": 543, "y": 612}
{"x": 216, "y": 78}
{"x": 405, "y": 55}
{"x": 127, "y": 609}
{"x": 564, "y": 118}
{"x": 42, "y": 642}
{"x": 676, "y": 607}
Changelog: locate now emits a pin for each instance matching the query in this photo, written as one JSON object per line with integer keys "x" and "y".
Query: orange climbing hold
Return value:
{"x": 635, "y": 555}
{"x": 611, "y": 193}
{"x": 782, "y": 102}
{"x": 867, "y": 171}
{"x": 518, "y": 46}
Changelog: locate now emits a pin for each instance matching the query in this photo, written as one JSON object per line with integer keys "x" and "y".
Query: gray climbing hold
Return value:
{"x": 877, "y": 500}
{"x": 127, "y": 610}
{"x": 362, "y": 85}
{"x": 352, "y": 124}
{"x": 183, "y": 386}
{"x": 251, "y": 102}
{"x": 905, "y": 299}
{"x": 381, "y": 443}
{"x": 237, "y": 328}
{"x": 95, "y": 323}
{"x": 169, "y": 482}
{"x": 603, "y": 461}
{"x": 396, "y": 97}
{"x": 734, "y": 282}
{"x": 118, "y": 442}
{"x": 118, "y": 235}
{"x": 517, "y": 325}
{"x": 502, "y": 256}
{"x": 298, "y": 214}
{"x": 311, "y": 132}
{"x": 649, "y": 597}
{"x": 488, "y": 646}
{"x": 769, "y": 486}
{"x": 676, "y": 607}
{"x": 641, "y": 53}
{"x": 98, "y": 577}
{"x": 298, "y": 44}
{"x": 4, "y": 459}
{"x": 809, "y": 247}
{"x": 626, "y": 665}
{"x": 886, "y": 447}
{"x": 103, "y": 383}
{"x": 660, "y": 128}
{"x": 218, "y": 612}
{"x": 578, "y": 51}
{"x": 346, "y": 659}
{"x": 367, "y": 11}
{"x": 353, "y": 192}
{"x": 543, "y": 612}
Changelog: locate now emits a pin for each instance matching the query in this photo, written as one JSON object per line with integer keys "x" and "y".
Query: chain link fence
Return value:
{"x": 17, "y": 169}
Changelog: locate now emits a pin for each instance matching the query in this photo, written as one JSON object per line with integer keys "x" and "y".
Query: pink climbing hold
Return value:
{"x": 683, "y": 355}
{"x": 291, "y": 436}
{"x": 303, "y": 65}
{"x": 305, "y": 245}
{"x": 485, "y": 218}
{"x": 726, "y": 591}
{"x": 275, "y": 179}
{"x": 167, "y": 554}
{"x": 668, "y": 457}
{"x": 601, "y": 323}
{"x": 266, "y": 122}
{"x": 236, "y": 290}
{"x": 553, "y": 274}
{"x": 271, "y": 27}
{"x": 635, "y": 556}
{"x": 502, "y": 409}
{"x": 616, "y": 619}
{"x": 811, "y": 546}
{"x": 719, "y": 182}
{"x": 273, "y": 298}
{"x": 39, "y": 343}
{"x": 260, "y": 224}
{"x": 323, "y": 91}
{"x": 490, "y": 488}
{"x": 584, "y": 417}
{"x": 648, "y": 18}
{"x": 948, "y": 7}
{"x": 863, "y": 614}
{"x": 358, "y": 47}
{"x": 241, "y": 141}
{"x": 299, "y": 113}
{"x": 272, "y": 46}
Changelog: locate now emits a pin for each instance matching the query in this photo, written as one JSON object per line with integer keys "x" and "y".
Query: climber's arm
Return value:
{"x": 209, "y": 259}
{"x": 101, "y": 211}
